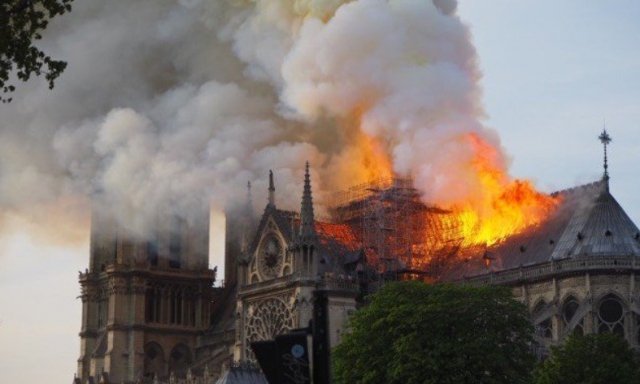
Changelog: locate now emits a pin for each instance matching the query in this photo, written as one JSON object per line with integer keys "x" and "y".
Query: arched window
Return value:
{"x": 152, "y": 305}
{"x": 544, "y": 327}
{"x": 102, "y": 313}
{"x": 611, "y": 315}
{"x": 154, "y": 361}
{"x": 569, "y": 309}
{"x": 180, "y": 360}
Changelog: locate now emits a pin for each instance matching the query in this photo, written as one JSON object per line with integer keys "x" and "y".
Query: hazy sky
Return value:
{"x": 553, "y": 72}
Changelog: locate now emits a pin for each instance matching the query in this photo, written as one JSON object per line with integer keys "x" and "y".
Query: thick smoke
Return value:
{"x": 402, "y": 72}
{"x": 171, "y": 105}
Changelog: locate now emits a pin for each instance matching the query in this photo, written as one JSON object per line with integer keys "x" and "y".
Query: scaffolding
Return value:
{"x": 401, "y": 234}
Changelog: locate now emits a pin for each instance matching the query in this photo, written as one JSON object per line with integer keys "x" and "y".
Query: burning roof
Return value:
{"x": 588, "y": 222}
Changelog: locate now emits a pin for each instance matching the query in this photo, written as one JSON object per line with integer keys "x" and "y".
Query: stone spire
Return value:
{"x": 605, "y": 139}
{"x": 307, "y": 227}
{"x": 272, "y": 191}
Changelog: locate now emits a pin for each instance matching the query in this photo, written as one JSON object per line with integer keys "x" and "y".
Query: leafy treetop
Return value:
{"x": 21, "y": 23}
{"x": 416, "y": 333}
{"x": 590, "y": 359}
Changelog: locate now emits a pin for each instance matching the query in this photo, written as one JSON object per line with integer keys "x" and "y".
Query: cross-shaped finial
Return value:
{"x": 605, "y": 139}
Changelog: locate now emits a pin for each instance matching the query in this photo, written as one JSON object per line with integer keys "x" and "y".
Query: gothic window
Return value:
{"x": 265, "y": 320}
{"x": 154, "y": 361}
{"x": 180, "y": 360}
{"x": 102, "y": 313}
{"x": 192, "y": 312}
{"x": 569, "y": 309}
{"x": 152, "y": 305}
{"x": 543, "y": 328}
{"x": 611, "y": 315}
{"x": 175, "y": 306}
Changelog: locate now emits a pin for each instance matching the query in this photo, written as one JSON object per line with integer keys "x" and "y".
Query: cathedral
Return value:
{"x": 151, "y": 312}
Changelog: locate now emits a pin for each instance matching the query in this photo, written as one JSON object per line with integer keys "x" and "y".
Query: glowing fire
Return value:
{"x": 505, "y": 207}
{"x": 498, "y": 207}
{"x": 376, "y": 163}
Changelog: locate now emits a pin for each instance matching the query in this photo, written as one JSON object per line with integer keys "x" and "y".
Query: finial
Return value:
{"x": 307, "y": 225}
{"x": 272, "y": 190}
{"x": 605, "y": 139}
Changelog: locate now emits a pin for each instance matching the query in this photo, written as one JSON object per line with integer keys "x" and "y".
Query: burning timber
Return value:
{"x": 400, "y": 235}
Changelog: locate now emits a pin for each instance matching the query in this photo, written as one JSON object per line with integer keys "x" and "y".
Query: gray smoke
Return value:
{"x": 172, "y": 105}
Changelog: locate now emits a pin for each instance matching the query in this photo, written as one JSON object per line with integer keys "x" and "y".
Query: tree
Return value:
{"x": 590, "y": 359}
{"x": 21, "y": 23}
{"x": 413, "y": 333}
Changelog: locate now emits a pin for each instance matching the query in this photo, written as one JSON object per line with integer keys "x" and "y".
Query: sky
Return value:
{"x": 553, "y": 74}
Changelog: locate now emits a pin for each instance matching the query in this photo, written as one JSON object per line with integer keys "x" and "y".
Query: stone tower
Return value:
{"x": 145, "y": 301}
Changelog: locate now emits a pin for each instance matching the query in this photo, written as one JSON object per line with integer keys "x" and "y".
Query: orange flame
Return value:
{"x": 376, "y": 164}
{"x": 505, "y": 207}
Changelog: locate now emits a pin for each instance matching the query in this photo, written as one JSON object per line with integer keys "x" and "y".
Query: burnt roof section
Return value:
{"x": 337, "y": 246}
{"x": 588, "y": 222}
{"x": 337, "y": 243}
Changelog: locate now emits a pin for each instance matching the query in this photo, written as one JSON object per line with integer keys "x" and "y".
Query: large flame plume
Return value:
{"x": 503, "y": 207}
{"x": 197, "y": 97}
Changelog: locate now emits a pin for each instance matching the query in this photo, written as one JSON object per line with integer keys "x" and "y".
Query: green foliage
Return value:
{"x": 416, "y": 333}
{"x": 590, "y": 359}
{"x": 21, "y": 23}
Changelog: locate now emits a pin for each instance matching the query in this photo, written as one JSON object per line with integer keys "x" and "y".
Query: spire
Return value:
{"x": 605, "y": 139}
{"x": 272, "y": 190}
{"x": 248, "y": 203}
{"x": 307, "y": 227}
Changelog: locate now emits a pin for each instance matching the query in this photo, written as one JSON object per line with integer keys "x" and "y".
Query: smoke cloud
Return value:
{"x": 168, "y": 106}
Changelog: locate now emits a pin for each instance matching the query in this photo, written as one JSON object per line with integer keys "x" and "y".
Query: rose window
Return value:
{"x": 266, "y": 320}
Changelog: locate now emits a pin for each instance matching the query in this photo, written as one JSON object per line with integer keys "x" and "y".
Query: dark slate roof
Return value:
{"x": 337, "y": 246}
{"x": 588, "y": 222}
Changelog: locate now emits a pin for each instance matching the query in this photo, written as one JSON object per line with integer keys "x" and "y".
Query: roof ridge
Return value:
{"x": 578, "y": 188}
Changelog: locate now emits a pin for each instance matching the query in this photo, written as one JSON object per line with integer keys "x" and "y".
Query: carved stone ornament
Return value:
{"x": 270, "y": 256}
{"x": 266, "y": 319}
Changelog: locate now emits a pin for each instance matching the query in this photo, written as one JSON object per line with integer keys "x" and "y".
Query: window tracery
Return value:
{"x": 611, "y": 315}
{"x": 543, "y": 328}
{"x": 180, "y": 359}
{"x": 265, "y": 320}
{"x": 154, "y": 361}
{"x": 569, "y": 309}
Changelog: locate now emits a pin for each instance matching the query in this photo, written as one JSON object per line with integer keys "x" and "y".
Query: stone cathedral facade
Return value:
{"x": 150, "y": 312}
{"x": 144, "y": 304}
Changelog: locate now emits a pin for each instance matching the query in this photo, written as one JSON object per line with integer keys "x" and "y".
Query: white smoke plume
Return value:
{"x": 167, "y": 105}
